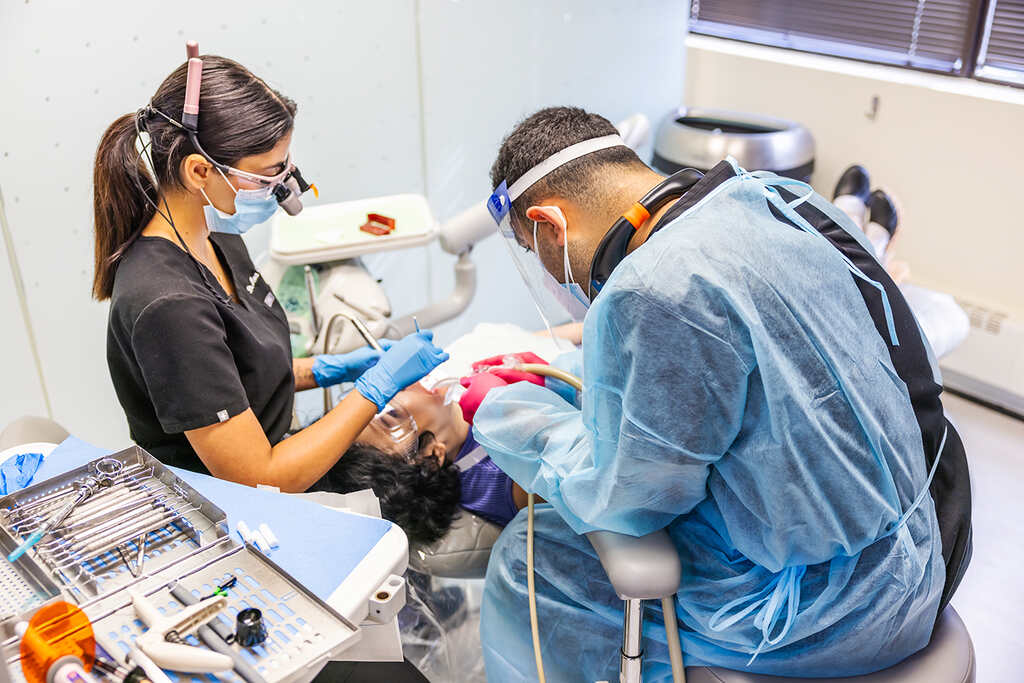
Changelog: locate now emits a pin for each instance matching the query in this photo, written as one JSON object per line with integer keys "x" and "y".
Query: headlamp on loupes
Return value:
{"x": 287, "y": 187}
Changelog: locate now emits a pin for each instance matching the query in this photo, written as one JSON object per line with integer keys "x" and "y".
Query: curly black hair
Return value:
{"x": 422, "y": 497}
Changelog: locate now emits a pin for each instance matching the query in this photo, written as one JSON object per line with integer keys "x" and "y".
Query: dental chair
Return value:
{"x": 31, "y": 429}
{"x": 648, "y": 568}
{"x": 462, "y": 553}
{"x": 315, "y": 267}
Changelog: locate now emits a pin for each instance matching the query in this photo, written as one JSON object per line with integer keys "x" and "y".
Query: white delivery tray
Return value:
{"x": 330, "y": 232}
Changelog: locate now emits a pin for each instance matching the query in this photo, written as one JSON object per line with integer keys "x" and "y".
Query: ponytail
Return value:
{"x": 120, "y": 209}
{"x": 241, "y": 116}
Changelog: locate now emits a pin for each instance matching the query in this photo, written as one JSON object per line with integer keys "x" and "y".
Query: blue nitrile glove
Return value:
{"x": 17, "y": 471}
{"x": 407, "y": 361}
{"x": 331, "y": 369}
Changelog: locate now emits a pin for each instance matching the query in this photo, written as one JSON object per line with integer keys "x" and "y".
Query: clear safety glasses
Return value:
{"x": 263, "y": 181}
{"x": 287, "y": 186}
{"x": 395, "y": 424}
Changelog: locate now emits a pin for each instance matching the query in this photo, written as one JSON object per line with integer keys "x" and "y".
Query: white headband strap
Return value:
{"x": 561, "y": 158}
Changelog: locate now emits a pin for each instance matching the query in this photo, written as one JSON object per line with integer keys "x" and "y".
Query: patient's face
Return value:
{"x": 444, "y": 422}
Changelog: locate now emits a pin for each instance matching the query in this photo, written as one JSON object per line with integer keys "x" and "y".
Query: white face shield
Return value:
{"x": 555, "y": 303}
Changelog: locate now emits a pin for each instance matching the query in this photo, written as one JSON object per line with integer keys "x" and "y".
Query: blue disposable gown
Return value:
{"x": 737, "y": 392}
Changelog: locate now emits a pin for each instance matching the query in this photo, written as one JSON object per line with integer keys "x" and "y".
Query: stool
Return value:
{"x": 648, "y": 567}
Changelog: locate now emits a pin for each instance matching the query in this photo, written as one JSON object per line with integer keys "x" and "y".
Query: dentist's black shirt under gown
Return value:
{"x": 182, "y": 355}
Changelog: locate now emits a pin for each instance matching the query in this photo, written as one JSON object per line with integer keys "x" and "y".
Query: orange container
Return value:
{"x": 56, "y": 630}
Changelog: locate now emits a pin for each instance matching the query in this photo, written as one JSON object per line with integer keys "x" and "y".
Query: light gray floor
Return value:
{"x": 991, "y": 597}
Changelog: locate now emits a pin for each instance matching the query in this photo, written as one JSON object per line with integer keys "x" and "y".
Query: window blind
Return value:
{"x": 1001, "y": 50}
{"x": 936, "y": 35}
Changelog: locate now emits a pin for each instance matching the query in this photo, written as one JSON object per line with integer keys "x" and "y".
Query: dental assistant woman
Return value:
{"x": 197, "y": 344}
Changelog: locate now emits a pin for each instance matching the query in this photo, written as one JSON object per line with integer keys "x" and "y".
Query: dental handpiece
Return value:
{"x": 361, "y": 328}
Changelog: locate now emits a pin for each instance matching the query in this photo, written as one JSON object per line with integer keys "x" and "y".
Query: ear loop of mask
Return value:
{"x": 566, "y": 267}
{"x": 207, "y": 198}
{"x": 144, "y": 147}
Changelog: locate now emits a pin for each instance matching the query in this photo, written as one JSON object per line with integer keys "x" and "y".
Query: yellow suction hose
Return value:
{"x": 667, "y": 604}
{"x": 573, "y": 381}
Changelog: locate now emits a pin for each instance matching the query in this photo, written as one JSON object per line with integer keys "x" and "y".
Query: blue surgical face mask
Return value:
{"x": 252, "y": 207}
{"x": 577, "y": 293}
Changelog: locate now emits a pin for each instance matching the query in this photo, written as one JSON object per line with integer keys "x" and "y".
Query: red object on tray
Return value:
{"x": 378, "y": 224}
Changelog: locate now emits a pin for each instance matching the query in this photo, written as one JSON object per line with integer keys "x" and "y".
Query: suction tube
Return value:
{"x": 667, "y": 604}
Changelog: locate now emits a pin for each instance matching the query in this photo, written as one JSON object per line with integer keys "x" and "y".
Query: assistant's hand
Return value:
{"x": 407, "y": 361}
{"x": 491, "y": 364}
{"x": 331, "y": 369}
{"x": 477, "y": 387}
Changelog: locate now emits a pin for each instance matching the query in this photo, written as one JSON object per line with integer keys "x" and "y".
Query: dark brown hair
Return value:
{"x": 546, "y": 132}
{"x": 239, "y": 115}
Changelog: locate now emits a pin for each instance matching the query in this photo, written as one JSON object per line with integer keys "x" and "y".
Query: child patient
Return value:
{"x": 419, "y": 457}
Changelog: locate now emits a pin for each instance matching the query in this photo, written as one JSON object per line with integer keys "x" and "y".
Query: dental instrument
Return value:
{"x": 112, "y": 670}
{"x": 363, "y": 331}
{"x": 307, "y": 273}
{"x": 91, "y": 546}
{"x": 358, "y": 323}
{"x": 141, "y": 557}
{"x": 133, "y": 502}
{"x": 106, "y": 470}
{"x": 217, "y": 635}
{"x": 74, "y": 565}
{"x": 164, "y": 641}
{"x": 112, "y": 520}
{"x": 132, "y": 568}
{"x": 25, "y": 509}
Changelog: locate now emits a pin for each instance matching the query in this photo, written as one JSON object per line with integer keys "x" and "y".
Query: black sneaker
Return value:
{"x": 881, "y": 210}
{"x": 854, "y": 181}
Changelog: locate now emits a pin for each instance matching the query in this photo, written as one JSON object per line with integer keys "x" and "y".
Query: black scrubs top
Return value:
{"x": 182, "y": 358}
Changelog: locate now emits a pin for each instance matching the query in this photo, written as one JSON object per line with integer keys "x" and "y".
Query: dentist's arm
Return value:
{"x": 238, "y": 449}
{"x": 327, "y": 370}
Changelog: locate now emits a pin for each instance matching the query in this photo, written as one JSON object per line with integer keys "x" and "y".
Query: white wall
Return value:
{"x": 485, "y": 67}
{"x": 948, "y": 149}
{"x": 394, "y": 96}
{"x": 23, "y": 392}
